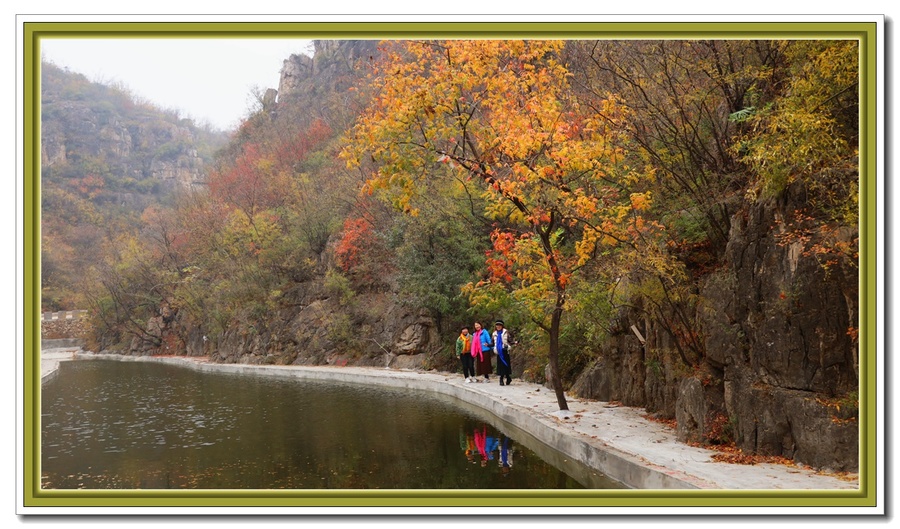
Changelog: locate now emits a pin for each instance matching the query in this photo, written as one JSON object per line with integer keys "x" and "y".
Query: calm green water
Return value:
{"x": 124, "y": 425}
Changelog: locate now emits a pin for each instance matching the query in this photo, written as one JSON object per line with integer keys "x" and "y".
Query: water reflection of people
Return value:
{"x": 481, "y": 445}
{"x": 505, "y": 460}
{"x": 485, "y": 444}
{"x": 489, "y": 447}
{"x": 467, "y": 443}
{"x": 490, "y": 444}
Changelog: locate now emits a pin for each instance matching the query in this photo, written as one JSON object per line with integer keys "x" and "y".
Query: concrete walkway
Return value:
{"x": 616, "y": 440}
{"x": 51, "y": 357}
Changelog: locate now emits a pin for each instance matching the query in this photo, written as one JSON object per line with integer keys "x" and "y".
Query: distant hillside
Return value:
{"x": 105, "y": 157}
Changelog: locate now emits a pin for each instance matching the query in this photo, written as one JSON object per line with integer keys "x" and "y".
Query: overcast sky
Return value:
{"x": 209, "y": 80}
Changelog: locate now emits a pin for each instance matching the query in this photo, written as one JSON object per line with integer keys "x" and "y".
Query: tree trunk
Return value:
{"x": 554, "y": 358}
{"x": 556, "y": 315}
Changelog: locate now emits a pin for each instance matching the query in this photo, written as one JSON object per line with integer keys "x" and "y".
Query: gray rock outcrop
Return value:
{"x": 780, "y": 375}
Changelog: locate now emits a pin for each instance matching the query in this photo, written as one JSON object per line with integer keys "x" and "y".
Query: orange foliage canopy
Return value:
{"x": 503, "y": 112}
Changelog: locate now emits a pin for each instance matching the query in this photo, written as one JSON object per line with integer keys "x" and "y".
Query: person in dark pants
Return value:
{"x": 464, "y": 353}
{"x": 502, "y": 342}
{"x": 481, "y": 352}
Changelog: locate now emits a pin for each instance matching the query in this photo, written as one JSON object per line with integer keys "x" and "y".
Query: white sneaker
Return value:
{"x": 468, "y": 381}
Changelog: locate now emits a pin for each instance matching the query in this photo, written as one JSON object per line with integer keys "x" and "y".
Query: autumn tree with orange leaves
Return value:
{"x": 554, "y": 175}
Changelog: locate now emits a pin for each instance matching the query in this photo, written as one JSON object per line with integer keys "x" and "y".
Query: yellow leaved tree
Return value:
{"x": 502, "y": 113}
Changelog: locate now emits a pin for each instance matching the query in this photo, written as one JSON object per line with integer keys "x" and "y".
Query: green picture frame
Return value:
{"x": 867, "y": 30}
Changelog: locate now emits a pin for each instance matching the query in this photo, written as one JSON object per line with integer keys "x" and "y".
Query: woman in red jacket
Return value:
{"x": 481, "y": 352}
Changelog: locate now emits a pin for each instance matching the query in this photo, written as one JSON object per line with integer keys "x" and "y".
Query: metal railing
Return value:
{"x": 63, "y": 315}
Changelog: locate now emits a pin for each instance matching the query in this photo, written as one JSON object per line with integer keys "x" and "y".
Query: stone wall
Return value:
{"x": 64, "y": 328}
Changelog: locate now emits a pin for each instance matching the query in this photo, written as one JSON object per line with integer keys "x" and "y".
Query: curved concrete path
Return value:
{"x": 615, "y": 440}
{"x": 53, "y": 355}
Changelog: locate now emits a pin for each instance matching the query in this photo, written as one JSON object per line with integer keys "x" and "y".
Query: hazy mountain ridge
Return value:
{"x": 105, "y": 157}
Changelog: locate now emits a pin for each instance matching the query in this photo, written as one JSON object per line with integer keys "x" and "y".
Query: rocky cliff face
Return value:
{"x": 326, "y": 71}
{"x": 374, "y": 331}
{"x": 634, "y": 373}
{"x": 137, "y": 150}
{"x": 780, "y": 321}
{"x": 781, "y": 372}
{"x": 317, "y": 327}
{"x": 91, "y": 128}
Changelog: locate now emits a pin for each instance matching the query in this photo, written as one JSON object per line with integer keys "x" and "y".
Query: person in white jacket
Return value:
{"x": 502, "y": 343}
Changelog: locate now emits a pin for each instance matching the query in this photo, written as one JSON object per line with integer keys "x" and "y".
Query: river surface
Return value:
{"x": 129, "y": 425}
